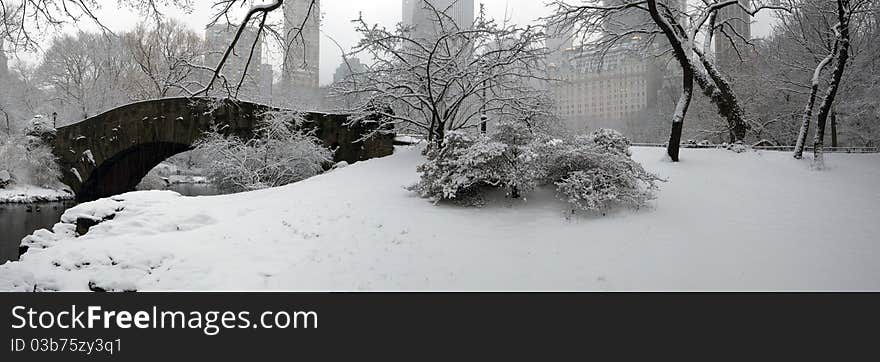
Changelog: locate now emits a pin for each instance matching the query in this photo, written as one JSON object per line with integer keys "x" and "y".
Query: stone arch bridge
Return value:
{"x": 110, "y": 153}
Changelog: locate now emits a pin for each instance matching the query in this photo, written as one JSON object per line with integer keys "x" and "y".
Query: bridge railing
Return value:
{"x": 854, "y": 149}
{"x": 773, "y": 148}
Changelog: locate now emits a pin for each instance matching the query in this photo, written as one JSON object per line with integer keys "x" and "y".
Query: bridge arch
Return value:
{"x": 110, "y": 153}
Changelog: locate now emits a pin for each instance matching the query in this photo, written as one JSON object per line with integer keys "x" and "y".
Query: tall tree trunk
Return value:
{"x": 808, "y": 110}
{"x": 843, "y": 14}
{"x": 440, "y": 133}
{"x": 720, "y": 91}
{"x": 834, "y": 129}
{"x": 687, "y": 71}
{"x": 681, "y": 108}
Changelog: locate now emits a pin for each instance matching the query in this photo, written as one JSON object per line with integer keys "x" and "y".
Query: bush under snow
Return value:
{"x": 592, "y": 172}
{"x": 281, "y": 154}
{"x": 28, "y": 160}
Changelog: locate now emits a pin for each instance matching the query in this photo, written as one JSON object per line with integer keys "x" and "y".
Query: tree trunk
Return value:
{"x": 808, "y": 110}
{"x": 440, "y": 134}
{"x": 843, "y": 13}
{"x": 712, "y": 82}
{"x": 687, "y": 69}
{"x": 681, "y": 108}
{"x": 834, "y": 129}
{"x": 721, "y": 93}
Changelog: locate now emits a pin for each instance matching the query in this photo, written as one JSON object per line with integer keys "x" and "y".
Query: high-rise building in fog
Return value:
{"x": 632, "y": 18}
{"x": 737, "y": 24}
{"x": 348, "y": 68}
{"x": 217, "y": 39}
{"x": 301, "y": 71}
{"x": 418, "y": 13}
{"x": 267, "y": 77}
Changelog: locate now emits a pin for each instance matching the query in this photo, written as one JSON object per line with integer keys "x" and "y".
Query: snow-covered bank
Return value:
{"x": 20, "y": 194}
{"x": 753, "y": 221}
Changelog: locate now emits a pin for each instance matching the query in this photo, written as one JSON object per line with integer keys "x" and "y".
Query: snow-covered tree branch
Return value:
{"x": 447, "y": 78}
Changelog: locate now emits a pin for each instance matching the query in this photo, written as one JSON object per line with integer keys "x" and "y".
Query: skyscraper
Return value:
{"x": 217, "y": 39}
{"x": 302, "y": 25}
{"x": 267, "y": 76}
{"x": 418, "y": 13}
{"x": 737, "y": 25}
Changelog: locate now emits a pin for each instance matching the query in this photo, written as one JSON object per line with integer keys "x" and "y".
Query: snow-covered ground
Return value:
{"x": 724, "y": 221}
{"x": 29, "y": 193}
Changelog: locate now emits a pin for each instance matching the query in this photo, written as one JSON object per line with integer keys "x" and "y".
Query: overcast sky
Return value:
{"x": 336, "y": 21}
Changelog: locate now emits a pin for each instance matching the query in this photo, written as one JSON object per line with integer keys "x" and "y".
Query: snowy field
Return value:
{"x": 724, "y": 221}
{"x": 29, "y": 194}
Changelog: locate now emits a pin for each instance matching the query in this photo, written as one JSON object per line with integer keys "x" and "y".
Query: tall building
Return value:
{"x": 217, "y": 39}
{"x": 635, "y": 18}
{"x": 302, "y": 25}
{"x": 347, "y": 69}
{"x": 418, "y": 13}
{"x": 267, "y": 76}
{"x": 737, "y": 24}
{"x": 616, "y": 89}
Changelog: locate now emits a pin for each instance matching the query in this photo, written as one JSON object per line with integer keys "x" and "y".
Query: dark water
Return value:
{"x": 16, "y": 222}
{"x": 195, "y": 189}
{"x": 20, "y": 220}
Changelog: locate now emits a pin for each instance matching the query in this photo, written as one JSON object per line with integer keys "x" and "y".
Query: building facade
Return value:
{"x": 217, "y": 40}
{"x": 620, "y": 88}
{"x": 301, "y": 69}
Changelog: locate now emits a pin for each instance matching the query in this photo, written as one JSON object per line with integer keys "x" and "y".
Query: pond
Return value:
{"x": 20, "y": 220}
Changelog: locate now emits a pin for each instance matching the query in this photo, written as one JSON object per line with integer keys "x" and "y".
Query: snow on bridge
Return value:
{"x": 110, "y": 153}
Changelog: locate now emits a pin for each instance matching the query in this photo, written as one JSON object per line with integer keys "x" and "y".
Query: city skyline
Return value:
{"x": 336, "y": 24}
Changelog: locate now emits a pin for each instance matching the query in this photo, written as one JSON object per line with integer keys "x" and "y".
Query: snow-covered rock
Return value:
{"x": 27, "y": 194}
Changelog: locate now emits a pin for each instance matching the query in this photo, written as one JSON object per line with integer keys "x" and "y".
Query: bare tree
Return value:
{"x": 447, "y": 78}
{"x": 86, "y": 74}
{"x": 808, "y": 24}
{"x": 846, "y": 10}
{"x": 669, "y": 29}
{"x": 166, "y": 53}
{"x": 25, "y": 21}
{"x": 256, "y": 14}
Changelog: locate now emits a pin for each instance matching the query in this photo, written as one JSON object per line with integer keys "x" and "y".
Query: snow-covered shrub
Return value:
{"x": 470, "y": 163}
{"x": 610, "y": 140}
{"x": 593, "y": 172}
{"x": 737, "y": 147}
{"x": 29, "y": 161}
{"x": 40, "y": 128}
{"x": 281, "y": 153}
{"x": 594, "y": 176}
{"x": 464, "y": 164}
{"x": 520, "y": 169}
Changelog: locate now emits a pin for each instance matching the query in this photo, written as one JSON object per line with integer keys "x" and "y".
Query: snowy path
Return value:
{"x": 724, "y": 221}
